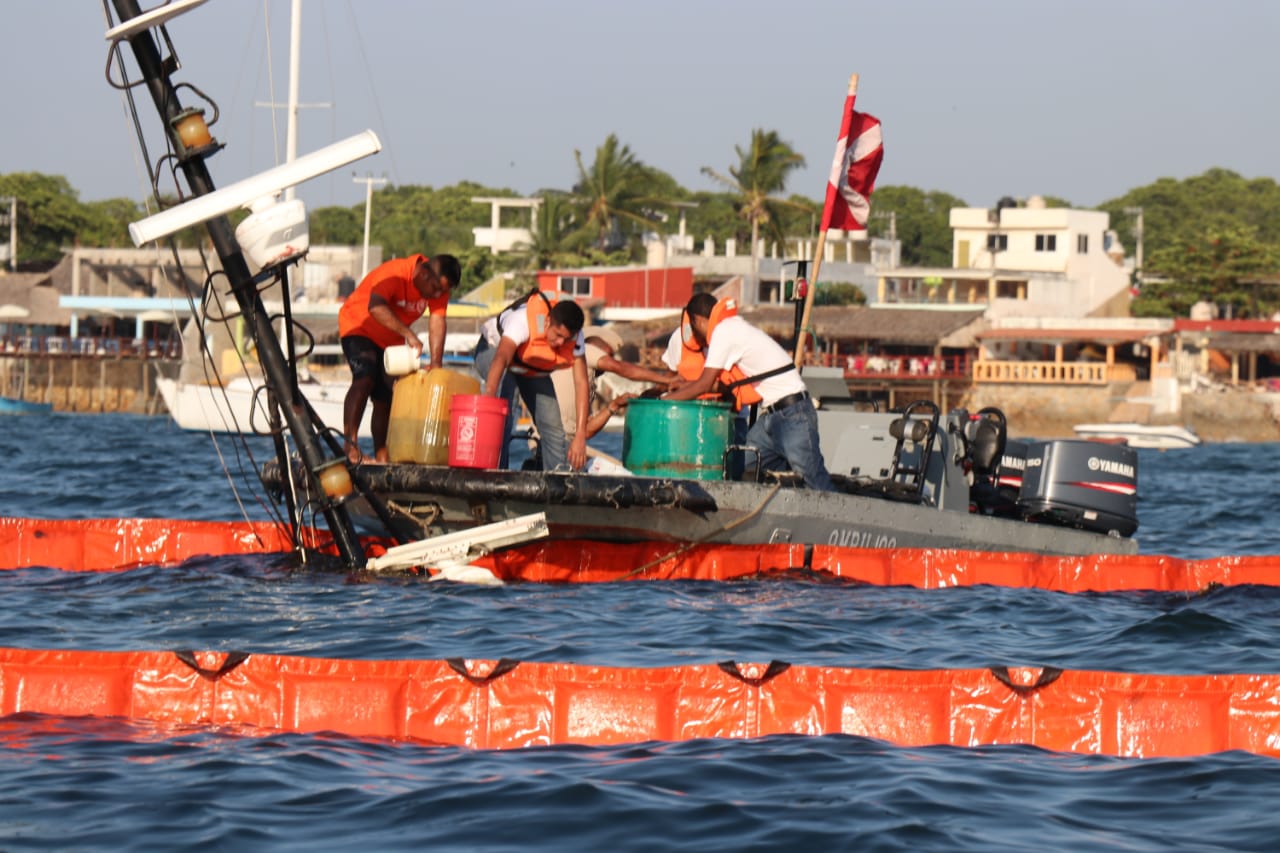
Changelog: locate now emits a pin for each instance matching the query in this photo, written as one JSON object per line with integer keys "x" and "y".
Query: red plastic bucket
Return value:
{"x": 477, "y": 428}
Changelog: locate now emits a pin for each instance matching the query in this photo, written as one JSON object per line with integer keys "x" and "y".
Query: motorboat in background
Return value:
{"x": 15, "y": 406}
{"x": 1159, "y": 437}
{"x": 239, "y": 405}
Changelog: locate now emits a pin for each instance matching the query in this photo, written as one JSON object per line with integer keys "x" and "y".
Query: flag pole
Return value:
{"x": 817, "y": 262}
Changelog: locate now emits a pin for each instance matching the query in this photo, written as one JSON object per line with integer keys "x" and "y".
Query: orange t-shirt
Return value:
{"x": 393, "y": 281}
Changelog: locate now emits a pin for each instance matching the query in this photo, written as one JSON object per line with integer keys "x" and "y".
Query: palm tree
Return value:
{"x": 555, "y": 222}
{"x": 615, "y": 188}
{"x": 761, "y": 172}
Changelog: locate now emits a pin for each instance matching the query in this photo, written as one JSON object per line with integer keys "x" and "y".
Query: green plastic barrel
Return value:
{"x": 676, "y": 438}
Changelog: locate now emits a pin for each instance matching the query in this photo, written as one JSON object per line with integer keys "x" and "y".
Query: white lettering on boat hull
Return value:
{"x": 847, "y": 537}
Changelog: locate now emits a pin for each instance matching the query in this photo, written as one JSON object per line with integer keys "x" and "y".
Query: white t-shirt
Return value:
{"x": 515, "y": 326}
{"x": 735, "y": 342}
{"x": 671, "y": 357}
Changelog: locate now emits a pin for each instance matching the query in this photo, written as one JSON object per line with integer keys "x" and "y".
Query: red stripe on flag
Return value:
{"x": 859, "y": 152}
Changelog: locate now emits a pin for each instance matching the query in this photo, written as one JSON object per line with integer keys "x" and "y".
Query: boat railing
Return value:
{"x": 900, "y": 367}
{"x": 1048, "y": 372}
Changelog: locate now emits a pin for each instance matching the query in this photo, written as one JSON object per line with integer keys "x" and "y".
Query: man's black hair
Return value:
{"x": 701, "y": 304}
{"x": 567, "y": 313}
{"x": 449, "y": 268}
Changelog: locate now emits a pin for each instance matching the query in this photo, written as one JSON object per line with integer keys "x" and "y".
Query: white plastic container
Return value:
{"x": 401, "y": 360}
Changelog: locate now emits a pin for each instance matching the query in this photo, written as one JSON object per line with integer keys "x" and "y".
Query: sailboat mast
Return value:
{"x": 275, "y": 368}
{"x": 295, "y": 54}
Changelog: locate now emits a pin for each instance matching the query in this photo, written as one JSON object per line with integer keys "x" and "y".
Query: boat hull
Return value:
{"x": 238, "y": 407}
{"x": 628, "y": 509}
{"x": 1140, "y": 435}
{"x": 13, "y": 406}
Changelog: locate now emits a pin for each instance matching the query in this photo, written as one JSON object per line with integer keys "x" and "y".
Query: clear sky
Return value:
{"x": 1083, "y": 100}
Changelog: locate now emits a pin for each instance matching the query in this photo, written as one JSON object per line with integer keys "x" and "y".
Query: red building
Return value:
{"x": 623, "y": 287}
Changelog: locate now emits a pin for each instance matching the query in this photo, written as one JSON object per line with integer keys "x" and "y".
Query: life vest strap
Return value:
{"x": 777, "y": 371}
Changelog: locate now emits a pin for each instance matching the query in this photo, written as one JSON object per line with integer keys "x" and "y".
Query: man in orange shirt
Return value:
{"x": 378, "y": 315}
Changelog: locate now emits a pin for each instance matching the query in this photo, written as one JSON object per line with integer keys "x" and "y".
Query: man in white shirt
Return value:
{"x": 511, "y": 357}
{"x": 745, "y": 360}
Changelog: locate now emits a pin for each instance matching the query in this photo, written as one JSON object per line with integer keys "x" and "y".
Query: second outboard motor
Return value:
{"x": 1012, "y": 467}
{"x": 1082, "y": 484}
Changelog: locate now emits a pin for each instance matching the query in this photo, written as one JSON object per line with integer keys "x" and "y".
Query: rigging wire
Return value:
{"x": 239, "y": 442}
{"x": 388, "y": 149}
{"x": 271, "y": 83}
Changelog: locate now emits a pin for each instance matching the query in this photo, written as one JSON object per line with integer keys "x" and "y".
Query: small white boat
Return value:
{"x": 240, "y": 405}
{"x": 1166, "y": 437}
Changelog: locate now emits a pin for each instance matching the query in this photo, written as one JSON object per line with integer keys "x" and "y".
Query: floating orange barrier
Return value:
{"x": 113, "y": 544}
{"x": 509, "y": 704}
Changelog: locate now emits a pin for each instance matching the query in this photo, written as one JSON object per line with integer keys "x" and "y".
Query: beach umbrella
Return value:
{"x": 10, "y": 312}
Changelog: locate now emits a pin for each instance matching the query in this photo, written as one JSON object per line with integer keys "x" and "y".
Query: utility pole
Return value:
{"x": 1137, "y": 239}
{"x": 368, "y": 182}
{"x": 13, "y": 231}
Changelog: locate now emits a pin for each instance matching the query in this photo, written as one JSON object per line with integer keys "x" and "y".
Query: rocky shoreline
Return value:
{"x": 1218, "y": 416}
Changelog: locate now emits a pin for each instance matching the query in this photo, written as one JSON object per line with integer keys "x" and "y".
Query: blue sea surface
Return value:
{"x": 107, "y": 784}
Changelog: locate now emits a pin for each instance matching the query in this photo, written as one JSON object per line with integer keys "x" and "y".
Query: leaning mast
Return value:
{"x": 191, "y": 158}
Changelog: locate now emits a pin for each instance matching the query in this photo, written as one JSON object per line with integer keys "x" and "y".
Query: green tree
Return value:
{"x": 1221, "y": 267}
{"x": 337, "y": 226}
{"x": 761, "y": 172}
{"x": 106, "y": 223}
{"x": 615, "y": 190}
{"x": 839, "y": 293}
{"x": 921, "y": 220}
{"x": 716, "y": 217}
{"x": 50, "y": 215}
{"x": 557, "y": 221}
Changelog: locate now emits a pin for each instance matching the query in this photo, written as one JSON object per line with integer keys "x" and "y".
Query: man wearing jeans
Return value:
{"x": 518, "y": 350}
{"x": 744, "y": 360}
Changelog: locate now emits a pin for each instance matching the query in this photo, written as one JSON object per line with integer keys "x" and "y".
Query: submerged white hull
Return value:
{"x": 233, "y": 408}
{"x": 1141, "y": 435}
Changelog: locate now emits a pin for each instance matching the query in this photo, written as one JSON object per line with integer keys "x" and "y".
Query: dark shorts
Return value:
{"x": 364, "y": 357}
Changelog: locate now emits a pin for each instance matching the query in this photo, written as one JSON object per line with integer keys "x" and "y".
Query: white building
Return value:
{"x": 1026, "y": 261}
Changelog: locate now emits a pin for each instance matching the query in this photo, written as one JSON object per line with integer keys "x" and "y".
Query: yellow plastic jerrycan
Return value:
{"x": 419, "y": 427}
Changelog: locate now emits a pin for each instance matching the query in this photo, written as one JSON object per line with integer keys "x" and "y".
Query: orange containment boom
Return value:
{"x": 116, "y": 544}
{"x": 508, "y": 704}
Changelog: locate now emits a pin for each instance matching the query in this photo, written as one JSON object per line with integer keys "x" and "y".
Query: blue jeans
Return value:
{"x": 789, "y": 439}
{"x": 539, "y": 395}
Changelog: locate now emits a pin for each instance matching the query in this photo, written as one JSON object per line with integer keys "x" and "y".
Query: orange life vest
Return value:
{"x": 536, "y": 354}
{"x": 692, "y": 356}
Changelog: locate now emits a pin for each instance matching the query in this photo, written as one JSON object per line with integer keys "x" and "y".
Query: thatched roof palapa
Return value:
{"x": 884, "y": 326}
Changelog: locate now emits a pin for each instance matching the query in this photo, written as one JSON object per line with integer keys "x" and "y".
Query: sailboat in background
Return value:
{"x": 240, "y": 404}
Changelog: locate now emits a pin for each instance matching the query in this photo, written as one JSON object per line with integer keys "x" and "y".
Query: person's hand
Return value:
{"x": 578, "y": 452}
{"x": 413, "y": 342}
{"x": 617, "y": 404}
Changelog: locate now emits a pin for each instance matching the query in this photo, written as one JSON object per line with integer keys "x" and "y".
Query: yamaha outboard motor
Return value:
{"x": 986, "y": 439}
{"x": 1083, "y": 484}
{"x": 1013, "y": 466}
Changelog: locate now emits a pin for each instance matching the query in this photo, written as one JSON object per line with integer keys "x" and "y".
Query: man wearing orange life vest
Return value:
{"x": 518, "y": 350}
{"x": 758, "y": 371}
{"x": 377, "y": 315}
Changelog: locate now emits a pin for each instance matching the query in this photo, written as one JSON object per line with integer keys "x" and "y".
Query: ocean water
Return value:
{"x": 107, "y": 784}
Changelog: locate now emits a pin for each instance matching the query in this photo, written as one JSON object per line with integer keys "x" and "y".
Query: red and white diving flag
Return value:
{"x": 853, "y": 170}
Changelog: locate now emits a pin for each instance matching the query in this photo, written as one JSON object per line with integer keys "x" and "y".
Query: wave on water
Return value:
{"x": 91, "y": 783}
{"x": 109, "y": 784}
